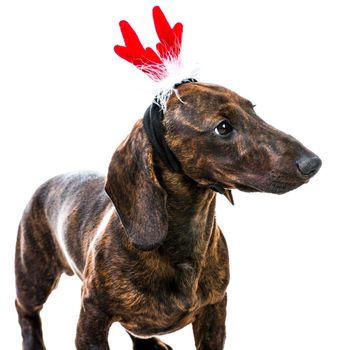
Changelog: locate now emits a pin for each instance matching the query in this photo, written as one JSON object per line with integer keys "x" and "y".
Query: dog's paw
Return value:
{"x": 151, "y": 344}
{"x": 161, "y": 346}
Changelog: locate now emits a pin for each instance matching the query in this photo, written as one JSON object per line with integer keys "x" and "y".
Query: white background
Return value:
{"x": 67, "y": 101}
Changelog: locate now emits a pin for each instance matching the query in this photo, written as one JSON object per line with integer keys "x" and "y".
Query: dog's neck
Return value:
{"x": 191, "y": 213}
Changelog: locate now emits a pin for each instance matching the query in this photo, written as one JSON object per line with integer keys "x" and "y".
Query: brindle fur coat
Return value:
{"x": 144, "y": 241}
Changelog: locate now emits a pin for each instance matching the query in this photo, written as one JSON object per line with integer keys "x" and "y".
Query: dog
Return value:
{"x": 144, "y": 240}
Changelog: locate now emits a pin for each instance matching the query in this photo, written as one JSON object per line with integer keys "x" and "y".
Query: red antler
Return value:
{"x": 146, "y": 59}
{"x": 170, "y": 38}
{"x": 133, "y": 51}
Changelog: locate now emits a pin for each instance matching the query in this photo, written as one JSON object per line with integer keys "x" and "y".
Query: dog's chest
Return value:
{"x": 169, "y": 307}
{"x": 158, "y": 304}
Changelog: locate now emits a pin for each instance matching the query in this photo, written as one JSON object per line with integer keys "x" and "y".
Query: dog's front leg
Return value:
{"x": 93, "y": 327}
{"x": 209, "y": 327}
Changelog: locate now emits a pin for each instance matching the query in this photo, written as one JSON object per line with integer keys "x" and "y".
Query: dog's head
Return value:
{"x": 214, "y": 137}
{"x": 218, "y": 138}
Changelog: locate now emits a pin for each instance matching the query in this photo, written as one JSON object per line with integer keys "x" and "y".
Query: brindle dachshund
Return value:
{"x": 144, "y": 241}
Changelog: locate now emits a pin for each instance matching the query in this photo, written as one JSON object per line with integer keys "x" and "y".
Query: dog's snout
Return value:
{"x": 309, "y": 165}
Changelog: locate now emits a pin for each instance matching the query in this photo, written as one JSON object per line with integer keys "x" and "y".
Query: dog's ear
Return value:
{"x": 136, "y": 192}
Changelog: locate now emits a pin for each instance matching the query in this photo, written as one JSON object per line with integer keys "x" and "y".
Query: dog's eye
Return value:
{"x": 223, "y": 128}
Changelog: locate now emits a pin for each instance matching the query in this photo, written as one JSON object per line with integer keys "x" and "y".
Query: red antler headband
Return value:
{"x": 146, "y": 59}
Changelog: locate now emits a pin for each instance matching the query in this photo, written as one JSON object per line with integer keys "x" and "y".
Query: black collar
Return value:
{"x": 155, "y": 131}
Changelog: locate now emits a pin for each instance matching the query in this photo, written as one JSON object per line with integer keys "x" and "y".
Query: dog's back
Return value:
{"x": 64, "y": 209}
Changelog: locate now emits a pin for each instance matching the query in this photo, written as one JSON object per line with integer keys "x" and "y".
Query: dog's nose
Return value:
{"x": 309, "y": 165}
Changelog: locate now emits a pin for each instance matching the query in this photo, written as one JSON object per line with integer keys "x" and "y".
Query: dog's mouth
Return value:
{"x": 245, "y": 188}
{"x": 269, "y": 184}
{"x": 275, "y": 187}
{"x": 281, "y": 188}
